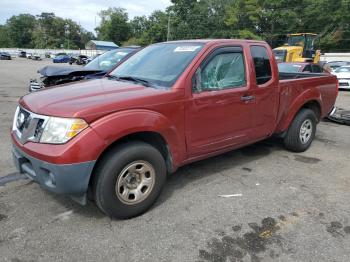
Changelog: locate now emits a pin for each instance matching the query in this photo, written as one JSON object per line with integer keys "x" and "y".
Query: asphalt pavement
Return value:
{"x": 259, "y": 203}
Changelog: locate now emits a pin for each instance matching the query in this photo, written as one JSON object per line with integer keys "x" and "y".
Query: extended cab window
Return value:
{"x": 316, "y": 69}
{"x": 262, "y": 64}
{"x": 223, "y": 70}
{"x": 307, "y": 69}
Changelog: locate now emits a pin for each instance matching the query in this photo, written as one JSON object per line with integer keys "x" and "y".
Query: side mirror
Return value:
{"x": 196, "y": 82}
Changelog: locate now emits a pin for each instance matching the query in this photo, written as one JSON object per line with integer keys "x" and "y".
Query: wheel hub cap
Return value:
{"x": 305, "y": 131}
{"x": 135, "y": 182}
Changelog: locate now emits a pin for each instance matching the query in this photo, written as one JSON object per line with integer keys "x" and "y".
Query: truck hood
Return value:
{"x": 92, "y": 99}
{"x": 64, "y": 70}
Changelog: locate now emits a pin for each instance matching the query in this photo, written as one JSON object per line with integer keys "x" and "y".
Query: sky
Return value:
{"x": 84, "y": 12}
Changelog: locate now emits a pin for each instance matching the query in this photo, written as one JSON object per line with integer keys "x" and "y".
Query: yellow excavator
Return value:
{"x": 299, "y": 47}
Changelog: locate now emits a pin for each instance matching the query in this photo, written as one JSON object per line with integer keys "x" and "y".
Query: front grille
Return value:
{"x": 35, "y": 85}
{"x": 343, "y": 84}
{"x": 28, "y": 126}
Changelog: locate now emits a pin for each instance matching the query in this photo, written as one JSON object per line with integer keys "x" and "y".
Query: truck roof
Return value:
{"x": 215, "y": 41}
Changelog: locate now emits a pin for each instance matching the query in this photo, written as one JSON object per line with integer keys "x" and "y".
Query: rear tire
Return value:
{"x": 302, "y": 131}
{"x": 129, "y": 179}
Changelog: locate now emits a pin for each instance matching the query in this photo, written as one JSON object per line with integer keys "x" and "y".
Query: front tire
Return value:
{"x": 129, "y": 179}
{"x": 301, "y": 132}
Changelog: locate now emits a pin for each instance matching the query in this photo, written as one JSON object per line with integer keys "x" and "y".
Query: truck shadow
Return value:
{"x": 90, "y": 210}
{"x": 188, "y": 174}
{"x": 214, "y": 165}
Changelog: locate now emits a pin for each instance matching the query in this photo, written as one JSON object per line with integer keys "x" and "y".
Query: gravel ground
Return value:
{"x": 286, "y": 207}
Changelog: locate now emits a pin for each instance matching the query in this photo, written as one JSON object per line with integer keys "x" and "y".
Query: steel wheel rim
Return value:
{"x": 305, "y": 131}
{"x": 135, "y": 182}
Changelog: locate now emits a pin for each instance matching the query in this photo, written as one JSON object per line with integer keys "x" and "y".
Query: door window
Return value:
{"x": 307, "y": 69}
{"x": 316, "y": 69}
{"x": 262, "y": 64}
{"x": 224, "y": 70}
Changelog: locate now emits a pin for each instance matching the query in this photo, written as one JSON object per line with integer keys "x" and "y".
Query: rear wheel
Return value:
{"x": 129, "y": 179}
{"x": 301, "y": 131}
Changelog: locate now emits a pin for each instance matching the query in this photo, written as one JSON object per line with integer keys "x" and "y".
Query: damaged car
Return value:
{"x": 78, "y": 59}
{"x": 97, "y": 68}
{"x": 340, "y": 116}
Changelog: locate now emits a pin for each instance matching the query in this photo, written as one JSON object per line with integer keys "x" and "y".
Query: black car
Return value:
{"x": 5, "y": 56}
{"x": 79, "y": 60}
{"x": 91, "y": 58}
{"x": 97, "y": 68}
{"x": 22, "y": 54}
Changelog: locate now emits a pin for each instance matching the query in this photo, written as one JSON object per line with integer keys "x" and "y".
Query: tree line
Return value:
{"x": 268, "y": 20}
{"x": 43, "y": 31}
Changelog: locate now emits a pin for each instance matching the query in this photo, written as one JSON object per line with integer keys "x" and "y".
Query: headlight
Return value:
{"x": 59, "y": 130}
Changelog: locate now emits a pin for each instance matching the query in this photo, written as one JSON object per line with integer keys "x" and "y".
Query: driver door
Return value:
{"x": 220, "y": 112}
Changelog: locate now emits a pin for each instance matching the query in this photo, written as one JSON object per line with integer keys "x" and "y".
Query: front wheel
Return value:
{"x": 302, "y": 131}
{"x": 129, "y": 179}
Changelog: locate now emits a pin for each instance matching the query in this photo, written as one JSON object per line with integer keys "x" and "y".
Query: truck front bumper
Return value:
{"x": 71, "y": 179}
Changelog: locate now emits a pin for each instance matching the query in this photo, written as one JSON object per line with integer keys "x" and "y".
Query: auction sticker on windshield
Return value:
{"x": 189, "y": 48}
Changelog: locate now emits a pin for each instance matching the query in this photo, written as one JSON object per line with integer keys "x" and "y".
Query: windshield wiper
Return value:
{"x": 112, "y": 77}
{"x": 132, "y": 78}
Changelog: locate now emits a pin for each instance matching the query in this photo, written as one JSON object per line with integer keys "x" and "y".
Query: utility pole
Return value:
{"x": 66, "y": 31}
{"x": 168, "y": 34}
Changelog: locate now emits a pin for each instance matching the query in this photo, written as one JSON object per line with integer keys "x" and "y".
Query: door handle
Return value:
{"x": 247, "y": 98}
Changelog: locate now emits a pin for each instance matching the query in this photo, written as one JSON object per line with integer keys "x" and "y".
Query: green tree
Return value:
{"x": 20, "y": 30}
{"x": 243, "y": 19}
{"x": 53, "y": 32}
{"x": 333, "y": 25}
{"x": 198, "y": 19}
{"x": 49, "y": 31}
{"x": 156, "y": 30}
{"x": 5, "y": 40}
{"x": 138, "y": 26}
{"x": 114, "y": 25}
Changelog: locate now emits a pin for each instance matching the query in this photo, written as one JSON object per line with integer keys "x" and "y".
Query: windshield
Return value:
{"x": 159, "y": 64}
{"x": 108, "y": 60}
{"x": 343, "y": 70}
{"x": 280, "y": 55}
{"x": 289, "y": 68}
{"x": 296, "y": 40}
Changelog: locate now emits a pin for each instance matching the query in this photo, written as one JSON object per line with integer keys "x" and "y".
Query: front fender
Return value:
{"x": 120, "y": 124}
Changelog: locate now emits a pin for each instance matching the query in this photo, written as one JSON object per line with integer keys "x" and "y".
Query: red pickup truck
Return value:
{"x": 116, "y": 138}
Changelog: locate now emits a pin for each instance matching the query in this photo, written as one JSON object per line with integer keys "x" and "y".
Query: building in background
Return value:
{"x": 100, "y": 45}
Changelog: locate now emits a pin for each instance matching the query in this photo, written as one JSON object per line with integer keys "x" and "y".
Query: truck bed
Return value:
{"x": 285, "y": 76}
{"x": 296, "y": 87}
